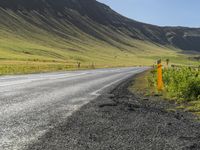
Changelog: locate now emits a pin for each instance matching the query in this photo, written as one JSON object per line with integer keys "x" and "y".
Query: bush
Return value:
{"x": 181, "y": 83}
{"x": 192, "y": 90}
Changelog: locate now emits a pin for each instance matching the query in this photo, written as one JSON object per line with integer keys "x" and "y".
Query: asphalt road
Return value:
{"x": 30, "y": 105}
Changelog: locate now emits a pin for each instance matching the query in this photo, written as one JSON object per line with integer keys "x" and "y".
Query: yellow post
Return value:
{"x": 159, "y": 80}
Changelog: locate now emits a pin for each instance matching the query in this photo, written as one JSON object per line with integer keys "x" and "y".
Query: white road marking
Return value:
{"x": 96, "y": 93}
{"x": 28, "y": 80}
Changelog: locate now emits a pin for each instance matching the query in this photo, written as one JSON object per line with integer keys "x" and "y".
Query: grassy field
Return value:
{"x": 28, "y": 54}
{"x": 32, "y": 43}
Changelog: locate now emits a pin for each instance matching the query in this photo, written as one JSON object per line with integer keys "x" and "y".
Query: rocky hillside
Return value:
{"x": 83, "y": 14}
{"x": 86, "y": 31}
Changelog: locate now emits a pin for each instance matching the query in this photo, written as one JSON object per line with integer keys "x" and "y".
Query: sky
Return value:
{"x": 159, "y": 12}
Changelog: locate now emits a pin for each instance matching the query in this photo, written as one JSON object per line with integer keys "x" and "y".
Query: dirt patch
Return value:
{"x": 124, "y": 121}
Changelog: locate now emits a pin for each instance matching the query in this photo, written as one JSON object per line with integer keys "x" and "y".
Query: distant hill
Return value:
{"x": 86, "y": 31}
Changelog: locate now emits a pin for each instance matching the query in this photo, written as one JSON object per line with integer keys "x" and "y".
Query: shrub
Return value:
{"x": 181, "y": 83}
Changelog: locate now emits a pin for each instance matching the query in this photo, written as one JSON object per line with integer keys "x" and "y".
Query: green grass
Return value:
{"x": 20, "y": 55}
{"x": 27, "y": 47}
{"x": 30, "y": 67}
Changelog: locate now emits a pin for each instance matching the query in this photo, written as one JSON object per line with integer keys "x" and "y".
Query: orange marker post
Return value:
{"x": 159, "y": 79}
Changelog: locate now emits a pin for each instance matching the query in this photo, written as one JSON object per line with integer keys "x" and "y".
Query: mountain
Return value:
{"x": 86, "y": 31}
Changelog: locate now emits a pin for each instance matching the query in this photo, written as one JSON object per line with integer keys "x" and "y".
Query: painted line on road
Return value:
{"x": 96, "y": 93}
{"x": 7, "y": 83}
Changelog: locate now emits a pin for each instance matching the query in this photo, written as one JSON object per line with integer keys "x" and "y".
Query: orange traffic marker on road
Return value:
{"x": 160, "y": 84}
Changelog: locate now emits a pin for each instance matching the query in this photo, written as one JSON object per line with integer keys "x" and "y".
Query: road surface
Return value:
{"x": 30, "y": 105}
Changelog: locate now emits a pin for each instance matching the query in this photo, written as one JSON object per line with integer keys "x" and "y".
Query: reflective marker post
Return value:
{"x": 159, "y": 79}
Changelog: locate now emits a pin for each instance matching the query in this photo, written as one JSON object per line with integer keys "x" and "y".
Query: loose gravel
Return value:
{"x": 121, "y": 120}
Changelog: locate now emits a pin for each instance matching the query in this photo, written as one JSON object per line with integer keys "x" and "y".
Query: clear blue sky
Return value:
{"x": 159, "y": 12}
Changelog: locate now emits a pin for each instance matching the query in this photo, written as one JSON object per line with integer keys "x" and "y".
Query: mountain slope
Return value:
{"x": 67, "y": 31}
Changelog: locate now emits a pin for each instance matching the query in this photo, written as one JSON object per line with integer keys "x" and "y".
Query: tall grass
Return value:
{"x": 34, "y": 67}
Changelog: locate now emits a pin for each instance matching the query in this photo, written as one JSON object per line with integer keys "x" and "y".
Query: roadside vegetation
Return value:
{"x": 181, "y": 84}
{"x": 33, "y": 67}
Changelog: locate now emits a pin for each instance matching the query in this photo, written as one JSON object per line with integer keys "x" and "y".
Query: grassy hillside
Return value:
{"x": 33, "y": 40}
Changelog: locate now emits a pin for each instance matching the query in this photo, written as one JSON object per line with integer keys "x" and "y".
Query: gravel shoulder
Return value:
{"x": 120, "y": 120}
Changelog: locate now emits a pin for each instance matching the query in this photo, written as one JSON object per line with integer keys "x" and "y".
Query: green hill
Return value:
{"x": 49, "y": 35}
